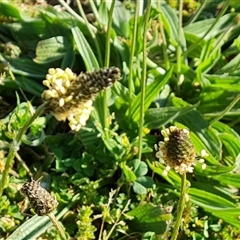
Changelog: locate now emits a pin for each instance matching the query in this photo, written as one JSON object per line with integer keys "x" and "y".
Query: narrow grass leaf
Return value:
{"x": 85, "y": 50}
{"x": 34, "y": 227}
{"x": 158, "y": 117}
{"x": 201, "y": 27}
{"x": 26, "y": 67}
{"x": 230, "y": 66}
{"x": 30, "y": 86}
{"x": 228, "y": 179}
{"x": 222, "y": 127}
{"x": 214, "y": 102}
{"x": 211, "y": 171}
{"x": 172, "y": 177}
{"x": 151, "y": 92}
{"x": 121, "y": 91}
{"x": 231, "y": 144}
{"x": 216, "y": 205}
{"x": 209, "y": 57}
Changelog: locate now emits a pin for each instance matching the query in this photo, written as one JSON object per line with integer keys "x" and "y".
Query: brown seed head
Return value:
{"x": 41, "y": 201}
{"x": 92, "y": 83}
{"x": 177, "y": 151}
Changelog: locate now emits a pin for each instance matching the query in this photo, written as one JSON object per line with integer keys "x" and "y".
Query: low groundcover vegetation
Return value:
{"x": 119, "y": 120}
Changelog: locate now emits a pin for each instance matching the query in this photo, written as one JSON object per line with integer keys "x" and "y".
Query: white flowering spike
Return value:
{"x": 70, "y": 96}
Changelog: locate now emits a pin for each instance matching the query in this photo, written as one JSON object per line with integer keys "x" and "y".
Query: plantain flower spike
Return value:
{"x": 41, "y": 201}
{"x": 177, "y": 151}
{"x": 70, "y": 97}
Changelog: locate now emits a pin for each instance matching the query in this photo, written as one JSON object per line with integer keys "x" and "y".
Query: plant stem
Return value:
{"x": 108, "y": 37}
{"x": 180, "y": 208}
{"x": 24, "y": 165}
{"x": 164, "y": 41}
{"x": 199, "y": 10}
{"x": 143, "y": 82}
{"x": 110, "y": 200}
{"x": 101, "y": 230}
{"x": 75, "y": 15}
{"x": 117, "y": 221}
{"x": 106, "y": 64}
{"x": 132, "y": 51}
{"x": 15, "y": 145}
{"x": 94, "y": 10}
{"x": 57, "y": 225}
{"x": 179, "y": 47}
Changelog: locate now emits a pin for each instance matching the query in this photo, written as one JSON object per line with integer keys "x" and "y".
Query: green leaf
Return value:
{"x": 149, "y": 218}
{"x": 145, "y": 181}
{"x": 139, "y": 168}
{"x": 213, "y": 102}
{"x": 69, "y": 58}
{"x": 228, "y": 179}
{"x": 76, "y": 164}
{"x": 28, "y": 30}
{"x": 31, "y": 229}
{"x": 122, "y": 92}
{"x": 158, "y": 117}
{"x": 211, "y": 171}
{"x": 231, "y": 144}
{"x": 78, "y": 178}
{"x": 51, "y": 49}
{"x": 138, "y": 188}
{"x": 140, "y": 24}
{"x": 149, "y": 236}
{"x": 209, "y": 57}
{"x": 193, "y": 39}
{"x": 209, "y": 185}
{"x": 9, "y": 10}
{"x": 115, "y": 148}
{"x": 85, "y": 50}
{"x": 121, "y": 17}
{"x": 88, "y": 136}
{"x": 170, "y": 21}
{"x": 128, "y": 172}
{"x": 26, "y": 67}
{"x": 103, "y": 13}
{"x": 230, "y": 66}
{"x": 201, "y": 27}
{"x": 218, "y": 82}
{"x": 172, "y": 177}
{"x": 216, "y": 205}
{"x": 151, "y": 92}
